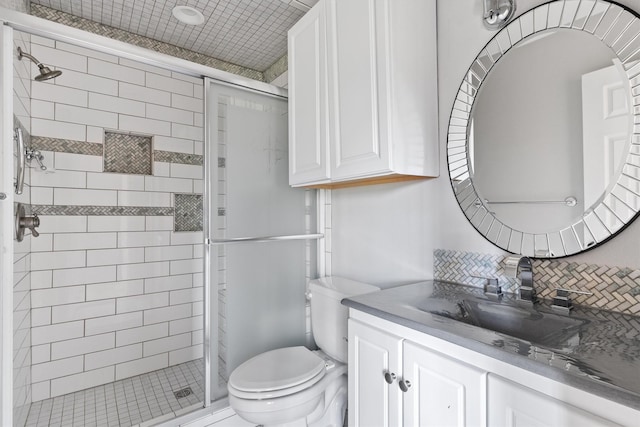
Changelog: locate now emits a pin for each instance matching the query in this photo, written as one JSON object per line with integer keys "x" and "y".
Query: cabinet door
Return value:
{"x": 308, "y": 155}
{"x": 511, "y": 405}
{"x": 356, "y": 147}
{"x": 372, "y": 401}
{"x": 444, "y": 392}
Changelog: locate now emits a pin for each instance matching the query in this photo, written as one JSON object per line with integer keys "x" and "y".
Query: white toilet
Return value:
{"x": 294, "y": 386}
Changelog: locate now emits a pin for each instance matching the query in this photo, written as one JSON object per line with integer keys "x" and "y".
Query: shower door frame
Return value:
{"x": 7, "y": 224}
{"x": 13, "y": 20}
{"x": 212, "y": 241}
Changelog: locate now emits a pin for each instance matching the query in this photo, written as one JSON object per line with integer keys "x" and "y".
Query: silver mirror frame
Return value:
{"x": 619, "y": 29}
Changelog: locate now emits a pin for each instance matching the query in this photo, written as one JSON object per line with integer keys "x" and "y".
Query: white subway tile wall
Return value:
{"x": 22, "y": 353}
{"x": 113, "y": 296}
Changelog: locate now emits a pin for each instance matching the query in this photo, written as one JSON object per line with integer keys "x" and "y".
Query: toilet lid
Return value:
{"x": 276, "y": 370}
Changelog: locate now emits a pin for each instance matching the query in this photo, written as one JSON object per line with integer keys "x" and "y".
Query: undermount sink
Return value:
{"x": 526, "y": 323}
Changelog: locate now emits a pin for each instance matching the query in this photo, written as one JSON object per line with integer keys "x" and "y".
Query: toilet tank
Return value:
{"x": 329, "y": 316}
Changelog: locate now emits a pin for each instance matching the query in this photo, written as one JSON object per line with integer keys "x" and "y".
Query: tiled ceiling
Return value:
{"x": 250, "y": 33}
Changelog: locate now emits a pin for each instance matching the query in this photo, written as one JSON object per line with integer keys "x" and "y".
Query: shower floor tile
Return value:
{"x": 125, "y": 402}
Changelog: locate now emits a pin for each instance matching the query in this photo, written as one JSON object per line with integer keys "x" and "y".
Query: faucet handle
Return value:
{"x": 562, "y": 302}
{"x": 491, "y": 286}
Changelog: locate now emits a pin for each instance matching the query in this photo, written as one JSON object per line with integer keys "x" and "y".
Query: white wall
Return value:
{"x": 386, "y": 234}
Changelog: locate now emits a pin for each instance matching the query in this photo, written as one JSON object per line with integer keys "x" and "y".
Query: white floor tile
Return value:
{"x": 142, "y": 400}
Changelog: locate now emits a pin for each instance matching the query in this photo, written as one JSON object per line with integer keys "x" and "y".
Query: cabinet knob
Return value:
{"x": 405, "y": 385}
{"x": 389, "y": 377}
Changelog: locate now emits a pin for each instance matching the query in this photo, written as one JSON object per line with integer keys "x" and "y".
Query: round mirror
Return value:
{"x": 542, "y": 154}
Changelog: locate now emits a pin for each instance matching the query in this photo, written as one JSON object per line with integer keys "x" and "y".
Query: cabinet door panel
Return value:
{"x": 443, "y": 392}
{"x": 353, "y": 79}
{"x": 373, "y": 402}
{"x": 514, "y": 405}
{"x": 307, "y": 100}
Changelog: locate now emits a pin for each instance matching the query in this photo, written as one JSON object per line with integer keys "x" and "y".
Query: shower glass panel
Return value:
{"x": 260, "y": 279}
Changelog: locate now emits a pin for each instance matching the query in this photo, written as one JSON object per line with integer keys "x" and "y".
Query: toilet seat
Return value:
{"x": 277, "y": 373}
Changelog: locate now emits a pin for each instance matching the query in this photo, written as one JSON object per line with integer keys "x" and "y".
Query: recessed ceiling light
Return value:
{"x": 188, "y": 15}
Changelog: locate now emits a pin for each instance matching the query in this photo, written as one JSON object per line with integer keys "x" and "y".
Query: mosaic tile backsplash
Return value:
{"x": 613, "y": 288}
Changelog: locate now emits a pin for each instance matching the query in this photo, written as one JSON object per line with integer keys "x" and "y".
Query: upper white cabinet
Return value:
{"x": 308, "y": 124}
{"x": 363, "y": 92}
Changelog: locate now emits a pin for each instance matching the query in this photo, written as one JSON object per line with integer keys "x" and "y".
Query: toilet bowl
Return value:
{"x": 303, "y": 384}
{"x": 294, "y": 386}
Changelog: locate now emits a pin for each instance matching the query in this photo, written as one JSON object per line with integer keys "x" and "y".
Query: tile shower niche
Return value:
{"x": 128, "y": 153}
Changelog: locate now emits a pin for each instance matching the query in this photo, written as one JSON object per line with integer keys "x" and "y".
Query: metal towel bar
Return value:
{"x": 569, "y": 201}
{"x": 264, "y": 239}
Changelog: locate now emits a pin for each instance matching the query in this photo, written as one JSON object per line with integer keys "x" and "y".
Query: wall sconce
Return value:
{"x": 497, "y": 13}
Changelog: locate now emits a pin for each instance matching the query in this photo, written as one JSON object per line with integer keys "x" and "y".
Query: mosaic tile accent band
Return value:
{"x": 66, "y": 146}
{"x": 188, "y": 212}
{"x": 127, "y": 153}
{"x": 276, "y": 69}
{"x": 101, "y": 210}
{"x": 172, "y": 157}
{"x": 95, "y": 149}
{"x": 613, "y": 288}
{"x": 145, "y": 42}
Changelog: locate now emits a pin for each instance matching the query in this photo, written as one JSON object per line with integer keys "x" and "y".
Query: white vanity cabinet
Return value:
{"x": 448, "y": 385}
{"x": 363, "y": 92}
{"x": 511, "y": 404}
{"x": 394, "y": 382}
{"x": 372, "y": 355}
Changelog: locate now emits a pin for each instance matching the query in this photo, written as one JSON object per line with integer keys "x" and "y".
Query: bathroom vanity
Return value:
{"x": 418, "y": 357}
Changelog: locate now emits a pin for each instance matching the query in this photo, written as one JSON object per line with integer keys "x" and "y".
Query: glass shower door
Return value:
{"x": 262, "y": 241}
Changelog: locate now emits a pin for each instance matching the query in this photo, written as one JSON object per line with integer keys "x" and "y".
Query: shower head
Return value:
{"x": 46, "y": 73}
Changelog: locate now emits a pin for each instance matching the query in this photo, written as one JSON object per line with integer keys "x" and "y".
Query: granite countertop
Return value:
{"x": 601, "y": 354}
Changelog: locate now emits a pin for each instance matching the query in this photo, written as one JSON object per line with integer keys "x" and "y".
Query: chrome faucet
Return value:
{"x": 522, "y": 268}
{"x": 526, "y": 292}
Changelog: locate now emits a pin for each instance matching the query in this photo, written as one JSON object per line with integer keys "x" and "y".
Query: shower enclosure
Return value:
{"x": 170, "y": 248}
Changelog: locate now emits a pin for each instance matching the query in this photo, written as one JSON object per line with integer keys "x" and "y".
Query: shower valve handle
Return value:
{"x": 36, "y": 155}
